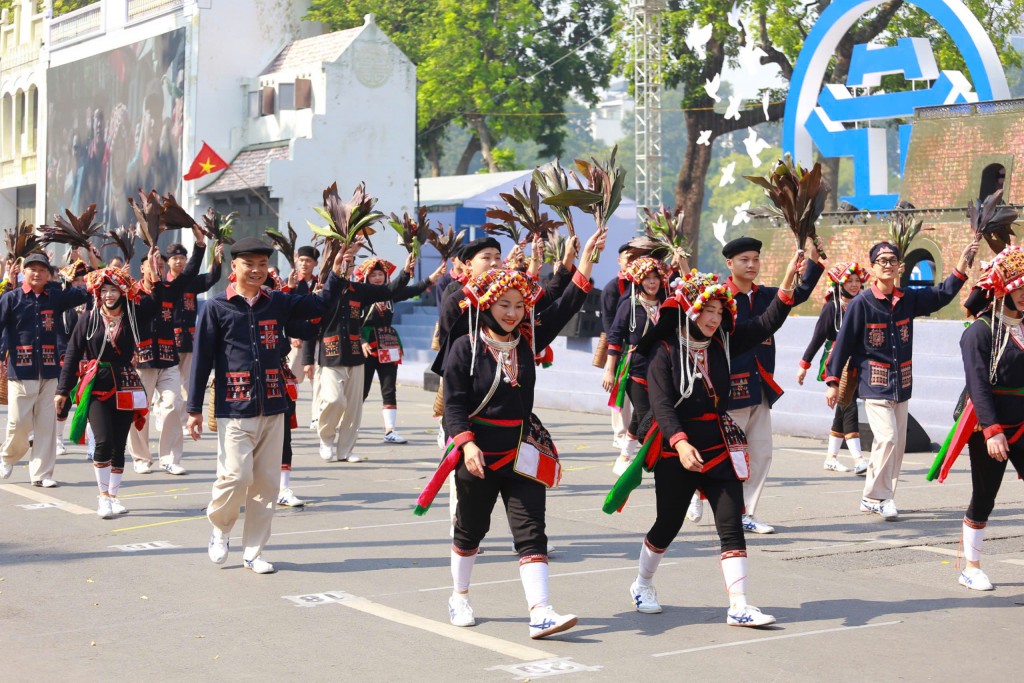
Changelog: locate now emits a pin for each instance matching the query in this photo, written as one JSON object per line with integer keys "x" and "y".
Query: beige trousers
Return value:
{"x": 163, "y": 387}
{"x": 339, "y": 405}
{"x": 248, "y": 472}
{"x": 30, "y": 411}
{"x": 756, "y": 423}
{"x": 185, "y": 370}
{"x": 620, "y": 423}
{"x": 888, "y": 421}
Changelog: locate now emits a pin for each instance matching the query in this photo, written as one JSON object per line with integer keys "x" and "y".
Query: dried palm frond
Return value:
{"x": 553, "y": 184}
{"x": 554, "y": 250}
{"x": 124, "y": 239}
{"x": 412, "y": 233}
{"x": 665, "y": 229}
{"x": 992, "y": 220}
{"x": 147, "y": 213}
{"x": 903, "y": 228}
{"x": 285, "y": 245}
{"x": 606, "y": 180}
{"x": 346, "y": 222}
{"x": 21, "y": 241}
{"x": 645, "y": 246}
{"x": 798, "y": 196}
{"x": 173, "y": 215}
{"x": 219, "y": 227}
{"x": 445, "y": 241}
{"x": 525, "y": 210}
{"x": 76, "y": 232}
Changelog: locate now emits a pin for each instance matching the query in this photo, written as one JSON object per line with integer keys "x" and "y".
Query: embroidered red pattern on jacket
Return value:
{"x": 47, "y": 320}
{"x": 268, "y": 333}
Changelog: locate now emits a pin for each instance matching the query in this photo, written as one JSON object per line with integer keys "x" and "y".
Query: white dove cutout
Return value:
{"x": 765, "y": 101}
{"x": 733, "y": 111}
{"x": 741, "y": 213}
{"x": 711, "y": 87}
{"x": 754, "y": 146}
{"x": 727, "y": 175}
{"x": 719, "y": 227}
{"x": 733, "y": 17}
{"x": 697, "y": 38}
{"x": 704, "y": 138}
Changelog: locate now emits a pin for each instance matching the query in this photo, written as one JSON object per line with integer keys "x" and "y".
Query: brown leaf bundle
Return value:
{"x": 76, "y": 232}
{"x": 797, "y": 195}
{"x": 147, "y": 213}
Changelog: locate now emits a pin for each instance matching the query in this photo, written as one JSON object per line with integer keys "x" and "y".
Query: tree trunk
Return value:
{"x": 472, "y": 147}
{"x": 484, "y": 136}
{"x": 830, "y": 175}
{"x": 434, "y": 157}
{"x": 689, "y": 194}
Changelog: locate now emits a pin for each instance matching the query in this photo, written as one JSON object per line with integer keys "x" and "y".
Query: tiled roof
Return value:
{"x": 315, "y": 50}
{"x": 247, "y": 170}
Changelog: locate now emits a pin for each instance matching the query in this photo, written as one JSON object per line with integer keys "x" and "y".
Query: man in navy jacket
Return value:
{"x": 239, "y": 331}
{"x": 877, "y": 338}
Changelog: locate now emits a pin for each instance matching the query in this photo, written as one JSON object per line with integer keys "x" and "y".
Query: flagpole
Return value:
{"x": 258, "y": 195}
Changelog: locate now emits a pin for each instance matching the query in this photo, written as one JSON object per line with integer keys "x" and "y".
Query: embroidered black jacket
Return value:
{"x": 30, "y": 324}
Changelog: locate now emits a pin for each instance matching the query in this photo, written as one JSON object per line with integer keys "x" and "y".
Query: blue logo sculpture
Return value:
{"x": 817, "y": 116}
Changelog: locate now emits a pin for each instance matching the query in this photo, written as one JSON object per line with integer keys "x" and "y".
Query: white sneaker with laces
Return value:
{"x": 5, "y": 470}
{"x": 288, "y": 499}
{"x": 545, "y": 621}
{"x": 218, "y": 548}
{"x": 172, "y": 468}
{"x": 621, "y": 464}
{"x": 695, "y": 512}
{"x": 259, "y": 565}
{"x": 645, "y": 598}
{"x": 886, "y": 509}
{"x": 748, "y": 616}
{"x": 832, "y": 464}
{"x": 45, "y": 483}
{"x": 103, "y": 510}
{"x": 755, "y": 527}
{"x": 314, "y": 425}
{"x": 327, "y": 453}
{"x": 116, "y": 506}
{"x": 975, "y": 579}
{"x": 142, "y": 467}
{"x": 61, "y": 448}
{"x": 395, "y": 437}
{"x": 860, "y": 468}
{"x": 460, "y": 612}
{"x": 352, "y": 457}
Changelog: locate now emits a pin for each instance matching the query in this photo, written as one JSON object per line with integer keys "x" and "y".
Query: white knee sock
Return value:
{"x": 973, "y": 538}
{"x": 286, "y": 479}
{"x": 734, "y": 569}
{"x": 462, "y": 570}
{"x": 834, "y": 443}
{"x": 115, "y": 482}
{"x": 649, "y": 561}
{"x": 535, "y": 583}
{"x": 390, "y": 419}
{"x": 90, "y": 441}
{"x": 103, "y": 477}
{"x": 855, "y": 449}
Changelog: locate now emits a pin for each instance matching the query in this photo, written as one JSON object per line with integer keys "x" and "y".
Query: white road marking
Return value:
{"x": 545, "y": 668}
{"x": 148, "y": 545}
{"x": 202, "y": 493}
{"x": 930, "y": 485}
{"x": 552, "y": 576}
{"x": 933, "y": 549}
{"x": 40, "y": 497}
{"x": 356, "y": 528}
{"x": 462, "y": 635}
{"x": 1017, "y": 562}
{"x": 754, "y": 641}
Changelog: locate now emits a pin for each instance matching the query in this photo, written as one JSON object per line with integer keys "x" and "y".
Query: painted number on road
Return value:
{"x": 38, "y": 506}
{"x": 149, "y": 545}
{"x": 316, "y": 599}
{"x": 545, "y": 667}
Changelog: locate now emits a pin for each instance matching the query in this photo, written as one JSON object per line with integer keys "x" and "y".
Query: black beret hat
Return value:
{"x": 176, "y": 249}
{"x": 476, "y": 246}
{"x": 308, "y": 250}
{"x": 740, "y": 245}
{"x": 250, "y": 245}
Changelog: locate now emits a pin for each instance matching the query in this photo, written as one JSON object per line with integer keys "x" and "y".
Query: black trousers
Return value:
{"x": 641, "y": 405}
{"x": 110, "y": 427}
{"x": 674, "y": 485}
{"x": 987, "y": 475}
{"x": 524, "y": 501}
{"x": 846, "y": 420}
{"x": 286, "y": 448}
{"x": 388, "y": 373}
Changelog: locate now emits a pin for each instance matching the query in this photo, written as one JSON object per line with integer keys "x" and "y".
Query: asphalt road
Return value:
{"x": 362, "y": 587}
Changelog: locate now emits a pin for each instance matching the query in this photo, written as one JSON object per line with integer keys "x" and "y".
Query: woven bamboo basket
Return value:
{"x": 601, "y": 351}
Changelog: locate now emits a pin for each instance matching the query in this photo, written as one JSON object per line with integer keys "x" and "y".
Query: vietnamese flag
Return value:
{"x": 205, "y": 163}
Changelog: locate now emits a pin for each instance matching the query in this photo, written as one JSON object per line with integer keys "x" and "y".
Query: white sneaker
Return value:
{"x": 314, "y": 425}
{"x": 352, "y": 457}
{"x": 327, "y": 453}
{"x": 5, "y": 470}
{"x": 116, "y": 506}
{"x": 287, "y": 499}
{"x": 886, "y": 508}
{"x": 748, "y": 616}
{"x": 460, "y": 612}
{"x": 171, "y": 468}
{"x": 860, "y": 468}
{"x": 621, "y": 465}
{"x": 545, "y": 621}
{"x": 259, "y": 565}
{"x": 45, "y": 483}
{"x": 645, "y": 598}
{"x": 142, "y": 467}
{"x": 695, "y": 512}
{"x": 395, "y": 437}
{"x": 103, "y": 510}
{"x": 975, "y": 579}
{"x": 441, "y": 441}
{"x": 755, "y": 527}
{"x": 218, "y": 548}
{"x": 832, "y": 464}
{"x": 61, "y": 448}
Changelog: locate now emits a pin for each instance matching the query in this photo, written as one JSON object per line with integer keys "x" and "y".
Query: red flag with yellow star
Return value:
{"x": 205, "y": 163}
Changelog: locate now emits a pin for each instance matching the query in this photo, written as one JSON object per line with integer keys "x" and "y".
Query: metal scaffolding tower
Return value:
{"x": 645, "y": 17}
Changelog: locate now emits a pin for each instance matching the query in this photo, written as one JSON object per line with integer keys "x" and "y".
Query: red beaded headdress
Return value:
{"x": 362, "y": 271}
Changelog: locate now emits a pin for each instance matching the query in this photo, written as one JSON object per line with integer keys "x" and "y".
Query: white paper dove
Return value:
{"x": 704, "y": 138}
{"x": 733, "y": 111}
{"x": 754, "y": 146}
{"x": 734, "y": 17}
{"x": 727, "y": 174}
{"x": 697, "y": 38}
{"x": 719, "y": 227}
{"x": 711, "y": 87}
{"x": 741, "y": 214}
{"x": 765, "y": 101}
